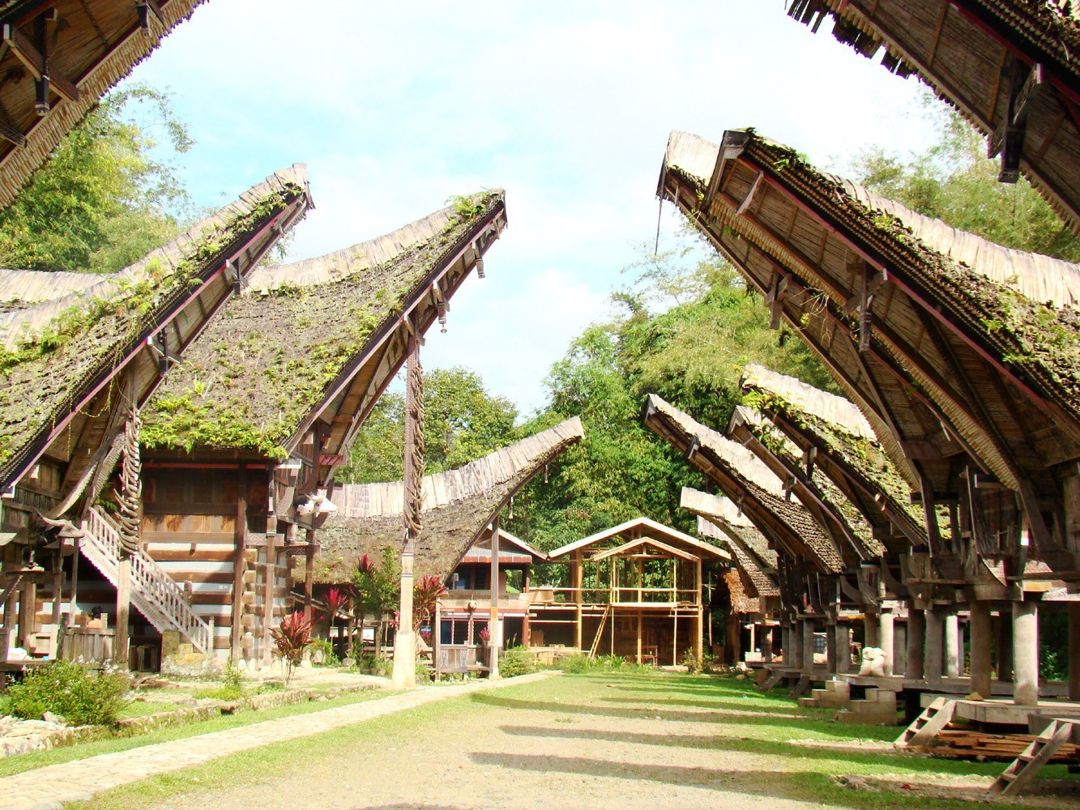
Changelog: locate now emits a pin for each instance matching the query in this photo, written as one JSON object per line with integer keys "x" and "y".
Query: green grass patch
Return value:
{"x": 728, "y": 716}
{"x": 39, "y": 759}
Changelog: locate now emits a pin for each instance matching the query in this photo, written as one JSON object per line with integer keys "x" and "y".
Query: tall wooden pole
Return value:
{"x": 129, "y": 499}
{"x": 236, "y": 630}
{"x": 494, "y": 636}
{"x": 404, "y": 644}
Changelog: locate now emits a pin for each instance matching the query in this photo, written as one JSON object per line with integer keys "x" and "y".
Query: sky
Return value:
{"x": 396, "y": 107}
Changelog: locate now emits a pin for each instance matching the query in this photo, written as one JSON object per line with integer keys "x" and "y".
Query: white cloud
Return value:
{"x": 396, "y": 107}
{"x": 511, "y": 333}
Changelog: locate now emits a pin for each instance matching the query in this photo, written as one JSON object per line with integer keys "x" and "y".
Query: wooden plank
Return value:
{"x": 35, "y": 62}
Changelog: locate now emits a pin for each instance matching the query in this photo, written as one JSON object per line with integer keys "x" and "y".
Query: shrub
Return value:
{"x": 81, "y": 696}
{"x": 291, "y": 637}
{"x": 326, "y": 648}
{"x": 517, "y": 661}
{"x": 232, "y": 687}
{"x": 577, "y": 664}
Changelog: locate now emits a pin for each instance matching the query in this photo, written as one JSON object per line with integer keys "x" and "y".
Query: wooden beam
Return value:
{"x": 35, "y": 62}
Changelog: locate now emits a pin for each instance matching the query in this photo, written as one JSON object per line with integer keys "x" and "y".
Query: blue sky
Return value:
{"x": 395, "y": 107}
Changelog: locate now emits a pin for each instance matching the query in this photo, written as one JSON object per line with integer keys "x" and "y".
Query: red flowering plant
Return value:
{"x": 291, "y": 638}
{"x": 426, "y": 593}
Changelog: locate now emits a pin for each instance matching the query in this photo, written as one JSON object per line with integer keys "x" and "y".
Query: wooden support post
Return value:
{"x": 981, "y": 643}
{"x": 952, "y": 645}
{"x": 236, "y": 630}
{"x": 576, "y": 578}
{"x": 123, "y": 607}
{"x": 886, "y": 638}
{"x": 832, "y": 652}
{"x": 639, "y": 635}
{"x": 309, "y": 574}
{"x": 436, "y": 636}
{"x": 843, "y": 648}
{"x": 808, "y": 646}
{"x": 494, "y": 636}
{"x": 1025, "y": 627}
{"x": 675, "y": 635}
{"x": 1003, "y": 646}
{"x": 935, "y": 640}
{"x": 57, "y": 589}
{"x": 1074, "y": 651}
{"x": 699, "y": 630}
{"x": 73, "y": 610}
{"x": 269, "y": 574}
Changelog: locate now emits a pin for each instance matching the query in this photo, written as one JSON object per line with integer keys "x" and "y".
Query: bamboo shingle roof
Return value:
{"x": 763, "y": 585}
{"x": 844, "y": 448}
{"x": 320, "y": 338}
{"x": 744, "y": 478}
{"x": 458, "y": 506}
{"x": 977, "y": 56}
{"x": 941, "y": 359}
{"x": 92, "y": 45}
{"x": 831, "y": 508}
{"x": 60, "y": 354}
{"x": 720, "y": 510}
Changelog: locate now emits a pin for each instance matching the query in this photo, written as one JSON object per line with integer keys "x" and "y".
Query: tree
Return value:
{"x": 691, "y": 353}
{"x": 955, "y": 182}
{"x": 103, "y": 200}
{"x": 462, "y": 422}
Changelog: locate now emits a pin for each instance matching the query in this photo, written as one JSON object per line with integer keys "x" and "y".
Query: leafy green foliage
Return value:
{"x": 81, "y": 696}
{"x": 462, "y": 423}
{"x": 102, "y": 201}
{"x": 955, "y": 182}
{"x": 517, "y": 661}
{"x": 692, "y": 353}
{"x": 322, "y": 653}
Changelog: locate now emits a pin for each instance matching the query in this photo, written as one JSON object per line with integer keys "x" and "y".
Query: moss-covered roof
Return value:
{"x": 858, "y": 451}
{"x": 763, "y": 582}
{"x": 1039, "y": 340}
{"x": 458, "y": 505}
{"x": 276, "y": 351}
{"x": 54, "y": 352}
{"x": 751, "y": 480}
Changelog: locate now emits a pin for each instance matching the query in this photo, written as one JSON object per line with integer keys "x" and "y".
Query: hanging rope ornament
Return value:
{"x": 129, "y": 496}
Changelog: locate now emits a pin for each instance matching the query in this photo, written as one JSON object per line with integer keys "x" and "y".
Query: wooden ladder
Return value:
{"x": 599, "y": 631}
{"x": 1023, "y": 769}
{"x": 926, "y": 726}
{"x": 774, "y": 678}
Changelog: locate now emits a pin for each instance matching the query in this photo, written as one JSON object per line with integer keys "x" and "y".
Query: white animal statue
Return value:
{"x": 873, "y": 662}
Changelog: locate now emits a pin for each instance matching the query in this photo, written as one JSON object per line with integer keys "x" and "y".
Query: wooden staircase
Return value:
{"x": 153, "y": 592}
{"x": 1041, "y": 750}
{"x": 926, "y": 726}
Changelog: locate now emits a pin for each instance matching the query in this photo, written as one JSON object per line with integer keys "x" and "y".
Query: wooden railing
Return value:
{"x": 623, "y": 594}
{"x": 154, "y": 593}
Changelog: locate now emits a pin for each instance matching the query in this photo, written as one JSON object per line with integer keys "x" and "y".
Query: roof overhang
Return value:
{"x": 1001, "y": 64}
{"x": 81, "y": 48}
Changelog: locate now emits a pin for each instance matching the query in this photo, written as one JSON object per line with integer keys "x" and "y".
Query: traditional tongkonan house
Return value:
{"x": 810, "y": 566}
{"x": 1008, "y": 66}
{"x": 963, "y": 357}
{"x": 753, "y": 591}
{"x": 242, "y": 440}
{"x": 636, "y": 590}
{"x": 81, "y": 355}
{"x": 57, "y": 59}
{"x": 460, "y": 516}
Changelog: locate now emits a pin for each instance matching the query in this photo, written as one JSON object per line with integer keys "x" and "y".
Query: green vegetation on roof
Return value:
{"x": 48, "y": 366}
{"x": 271, "y": 356}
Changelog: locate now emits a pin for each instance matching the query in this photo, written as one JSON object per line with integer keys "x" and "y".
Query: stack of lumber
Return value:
{"x": 970, "y": 743}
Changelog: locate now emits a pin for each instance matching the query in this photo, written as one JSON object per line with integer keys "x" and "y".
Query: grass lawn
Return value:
{"x": 635, "y": 729}
{"x": 38, "y": 759}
